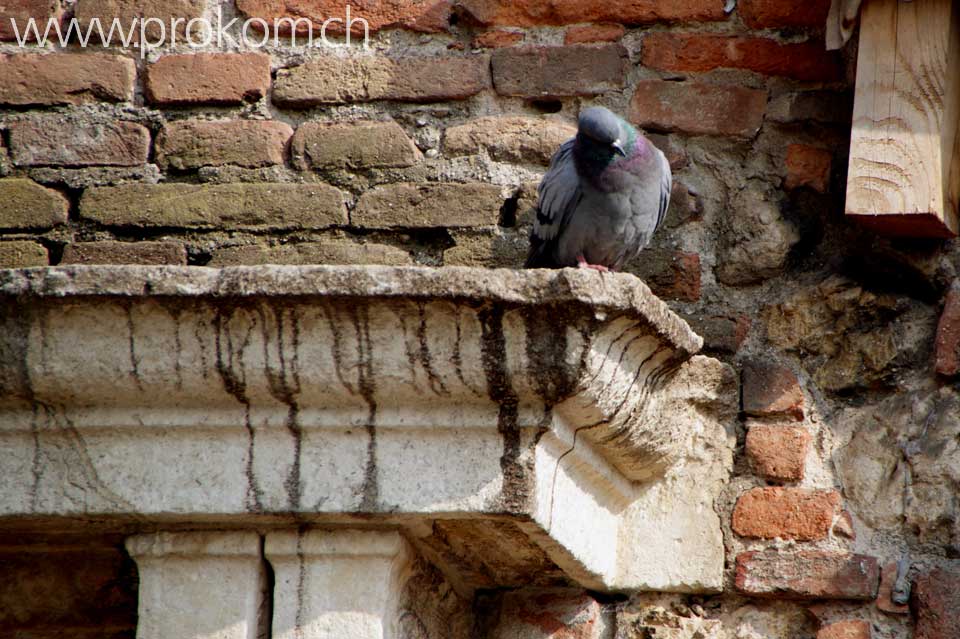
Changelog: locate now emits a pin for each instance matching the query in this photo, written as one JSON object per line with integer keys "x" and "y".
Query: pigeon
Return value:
{"x": 605, "y": 193}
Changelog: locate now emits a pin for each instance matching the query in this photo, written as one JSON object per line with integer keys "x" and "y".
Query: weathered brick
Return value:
{"x": 428, "y": 16}
{"x": 947, "y": 349}
{"x": 510, "y": 138}
{"x": 353, "y": 145}
{"x": 208, "y": 78}
{"x": 559, "y": 71}
{"x": 771, "y": 389}
{"x": 531, "y": 13}
{"x": 130, "y": 11}
{"x": 190, "y": 144}
{"x": 778, "y": 14}
{"x": 58, "y": 140}
{"x": 849, "y": 629}
{"x": 805, "y": 61}
{"x": 698, "y": 108}
{"x": 559, "y": 614}
{"x": 808, "y": 166}
{"x": 604, "y": 32}
{"x": 807, "y": 575}
{"x": 326, "y": 251}
{"x": 827, "y": 107}
{"x": 427, "y": 205}
{"x": 935, "y": 601}
{"x": 496, "y": 38}
{"x": 110, "y": 252}
{"x": 776, "y": 451}
{"x": 724, "y": 333}
{"x": 788, "y": 513}
{"x": 488, "y": 248}
{"x": 65, "y": 78}
{"x": 28, "y": 205}
{"x": 888, "y": 577}
{"x": 243, "y": 206}
{"x": 843, "y": 526}
{"x": 20, "y": 11}
{"x": 673, "y": 275}
{"x": 332, "y": 80}
{"x": 22, "y": 253}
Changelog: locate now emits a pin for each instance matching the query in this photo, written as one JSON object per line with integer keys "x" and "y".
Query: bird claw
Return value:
{"x": 582, "y": 263}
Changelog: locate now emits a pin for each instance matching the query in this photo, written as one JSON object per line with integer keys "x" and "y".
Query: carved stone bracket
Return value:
{"x": 516, "y": 427}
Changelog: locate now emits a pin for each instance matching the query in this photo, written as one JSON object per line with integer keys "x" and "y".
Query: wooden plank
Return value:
{"x": 904, "y": 176}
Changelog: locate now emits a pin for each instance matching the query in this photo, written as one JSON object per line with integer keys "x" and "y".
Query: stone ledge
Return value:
{"x": 558, "y": 416}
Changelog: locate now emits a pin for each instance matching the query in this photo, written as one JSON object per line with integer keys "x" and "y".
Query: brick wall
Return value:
{"x": 427, "y": 150}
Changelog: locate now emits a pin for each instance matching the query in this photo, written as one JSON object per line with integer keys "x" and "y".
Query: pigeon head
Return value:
{"x": 603, "y": 139}
{"x": 601, "y": 128}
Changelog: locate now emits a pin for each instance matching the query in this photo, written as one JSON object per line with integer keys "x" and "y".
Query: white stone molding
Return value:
{"x": 518, "y": 427}
{"x": 199, "y": 585}
{"x": 337, "y": 583}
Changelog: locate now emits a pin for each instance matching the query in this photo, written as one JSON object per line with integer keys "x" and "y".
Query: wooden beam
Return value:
{"x": 904, "y": 176}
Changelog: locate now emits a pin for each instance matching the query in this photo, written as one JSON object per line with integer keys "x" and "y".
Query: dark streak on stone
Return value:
{"x": 284, "y": 387}
{"x": 360, "y": 314}
{"x": 235, "y": 384}
{"x": 131, "y": 344}
{"x": 515, "y": 493}
{"x": 436, "y": 384}
{"x": 301, "y": 584}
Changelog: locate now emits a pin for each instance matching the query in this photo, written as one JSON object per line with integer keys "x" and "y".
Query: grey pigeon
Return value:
{"x": 604, "y": 195}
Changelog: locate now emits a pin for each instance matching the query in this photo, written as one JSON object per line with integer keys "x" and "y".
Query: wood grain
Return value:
{"x": 904, "y": 176}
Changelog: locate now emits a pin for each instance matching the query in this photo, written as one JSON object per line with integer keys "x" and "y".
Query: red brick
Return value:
{"x": 531, "y": 13}
{"x": 698, "y": 108}
{"x": 420, "y": 205}
{"x": 428, "y": 16}
{"x": 788, "y": 513}
{"x": 333, "y": 80}
{"x": 724, "y": 333}
{"x": 771, "y": 389}
{"x": 208, "y": 78}
{"x": 778, "y": 452}
{"x": 190, "y": 144}
{"x": 673, "y": 275}
{"x": 807, "y": 575}
{"x": 108, "y": 252}
{"x": 608, "y": 32}
{"x": 888, "y": 577}
{"x": 127, "y": 11}
{"x": 497, "y": 38}
{"x": 557, "y": 614}
{"x": 21, "y": 11}
{"x": 808, "y": 166}
{"x": 559, "y": 71}
{"x": 947, "y": 353}
{"x": 353, "y": 145}
{"x": 57, "y": 140}
{"x": 784, "y": 14}
{"x": 806, "y": 61}
{"x": 65, "y": 78}
{"x": 849, "y": 629}
{"x": 936, "y": 603}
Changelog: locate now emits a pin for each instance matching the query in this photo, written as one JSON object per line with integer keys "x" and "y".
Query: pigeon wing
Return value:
{"x": 666, "y": 186}
{"x": 560, "y": 193}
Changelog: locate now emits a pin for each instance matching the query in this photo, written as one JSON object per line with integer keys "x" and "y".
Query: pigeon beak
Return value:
{"x": 618, "y": 147}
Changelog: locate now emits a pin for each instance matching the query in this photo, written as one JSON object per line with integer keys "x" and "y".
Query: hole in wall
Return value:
{"x": 546, "y": 106}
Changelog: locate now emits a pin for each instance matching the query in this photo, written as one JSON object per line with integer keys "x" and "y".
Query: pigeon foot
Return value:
{"x": 582, "y": 263}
